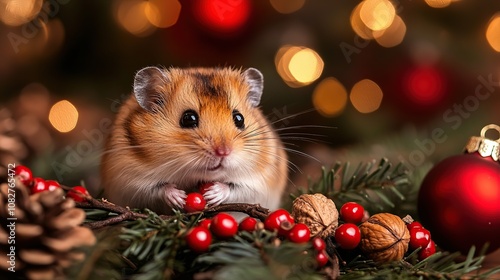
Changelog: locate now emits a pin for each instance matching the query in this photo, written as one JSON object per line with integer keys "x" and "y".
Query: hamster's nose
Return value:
{"x": 222, "y": 151}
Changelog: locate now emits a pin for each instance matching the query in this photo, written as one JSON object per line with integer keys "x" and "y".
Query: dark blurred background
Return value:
{"x": 409, "y": 80}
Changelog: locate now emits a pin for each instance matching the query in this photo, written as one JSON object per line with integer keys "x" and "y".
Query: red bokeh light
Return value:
{"x": 425, "y": 86}
{"x": 224, "y": 16}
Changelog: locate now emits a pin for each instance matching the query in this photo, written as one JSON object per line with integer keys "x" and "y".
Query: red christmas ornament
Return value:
{"x": 222, "y": 16}
{"x": 459, "y": 200}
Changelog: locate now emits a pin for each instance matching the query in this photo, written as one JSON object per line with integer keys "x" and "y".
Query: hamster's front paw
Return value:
{"x": 174, "y": 197}
{"x": 217, "y": 193}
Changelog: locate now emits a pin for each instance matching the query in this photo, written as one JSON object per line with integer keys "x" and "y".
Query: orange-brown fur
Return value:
{"x": 146, "y": 149}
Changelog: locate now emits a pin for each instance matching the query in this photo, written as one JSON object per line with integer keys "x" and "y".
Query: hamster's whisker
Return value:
{"x": 290, "y": 163}
{"x": 291, "y": 116}
{"x": 304, "y": 126}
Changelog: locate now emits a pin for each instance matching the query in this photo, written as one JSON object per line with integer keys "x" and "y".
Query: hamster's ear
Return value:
{"x": 147, "y": 87}
{"x": 255, "y": 81}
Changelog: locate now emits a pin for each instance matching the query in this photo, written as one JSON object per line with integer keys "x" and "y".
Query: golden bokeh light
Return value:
{"x": 358, "y": 25}
{"x": 298, "y": 66}
{"x": 287, "y": 6}
{"x": 366, "y": 96}
{"x": 306, "y": 66}
{"x": 329, "y": 97}
{"x": 63, "y": 116}
{"x": 393, "y": 35}
{"x": 438, "y": 3}
{"x": 282, "y": 60}
{"x": 163, "y": 13}
{"x": 131, "y": 15}
{"x": 19, "y": 12}
{"x": 493, "y": 32}
{"x": 377, "y": 14}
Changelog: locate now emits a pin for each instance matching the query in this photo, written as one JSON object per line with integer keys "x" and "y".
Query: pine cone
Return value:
{"x": 12, "y": 148}
{"x": 47, "y": 232}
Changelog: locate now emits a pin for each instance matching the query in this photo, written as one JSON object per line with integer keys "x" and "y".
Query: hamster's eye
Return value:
{"x": 189, "y": 119}
{"x": 238, "y": 119}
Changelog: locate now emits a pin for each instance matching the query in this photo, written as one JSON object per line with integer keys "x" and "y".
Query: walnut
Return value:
{"x": 384, "y": 237}
{"x": 318, "y": 212}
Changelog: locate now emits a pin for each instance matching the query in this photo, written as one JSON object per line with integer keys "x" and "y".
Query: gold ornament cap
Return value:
{"x": 484, "y": 146}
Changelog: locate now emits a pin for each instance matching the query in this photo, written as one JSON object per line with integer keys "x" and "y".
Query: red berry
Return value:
{"x": 205, "y": 223}
{"x": 78, "y": 193}
{"x": 300, "y": 233}
{"x": 194, "y": 202}
{"x": 24, "y": 174}
{"x": 321, "y": 258}
{"x": 419, "y": 237}
{"x": 318, "y": 244}
{"x": 204, "y": 187}
{"x": 248, "y": 224}
{"x": 52, "y": 185}
{"x": 279, "y": 220}
{"x": 199, "y": 239}
{"x": 224, "y": 225}
{"x": 348, "y": 236}
{"x": 414, "y": 224}
{"x": 352, "y": 212}
{"x": 39, "y": 185}
{"x": 427, "y": 251}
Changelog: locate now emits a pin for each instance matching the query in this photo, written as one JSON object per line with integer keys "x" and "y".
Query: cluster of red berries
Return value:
{"x": 347, "y": 235}
{"x": 222, "y": 226}
{"x": 421, "y": 238}
{"x": 38, "y": 184}
{"x": 282, "y": 222}
{"x": 320, "y": 247}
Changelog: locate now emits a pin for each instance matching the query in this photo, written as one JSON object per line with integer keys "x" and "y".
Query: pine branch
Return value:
{"x": 372, "y": 185}
{"x": 127, "y": 214}
{"x": 441, "y": 265}
{"x": 261, "y": 255}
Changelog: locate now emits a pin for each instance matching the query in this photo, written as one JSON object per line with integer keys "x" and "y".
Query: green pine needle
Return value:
{"x": 378, "y": 187}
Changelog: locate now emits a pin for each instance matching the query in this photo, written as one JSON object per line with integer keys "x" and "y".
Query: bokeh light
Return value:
{"x": 298, "y": 66}
{"x": 425, "y": 85}
{"x": 19, "y": 12}
{"x": 131, "y": 15}
{"x": 438, "y": 3}
{"x": 306, "y": 66}
{"x": 329, "y": 97}
{"x": 393, "y": 35}
{"x": 493, "y": 32}
{"x": 287, "y": 6}
{"x": 358, "y": 25}
{"x": 162, "y": 13}
{"x": 366, "y": 96}
{"x": 377, "y": 14}
{"x": 225, "y": 16}
{"x": 63, "y": 116}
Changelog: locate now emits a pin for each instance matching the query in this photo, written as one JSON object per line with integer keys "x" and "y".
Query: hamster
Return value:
{"x": 184, "y": 127}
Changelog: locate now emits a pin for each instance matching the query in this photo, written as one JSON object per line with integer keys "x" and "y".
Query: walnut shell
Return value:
{"x": 317, "y": 212}
{"x": 384, "y": 238}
